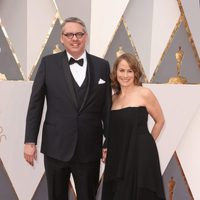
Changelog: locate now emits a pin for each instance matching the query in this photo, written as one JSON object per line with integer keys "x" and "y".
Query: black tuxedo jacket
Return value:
{"x": 67, "y": 127}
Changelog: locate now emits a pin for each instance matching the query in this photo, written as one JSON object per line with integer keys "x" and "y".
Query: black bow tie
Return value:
{"x": 72, "y": 61}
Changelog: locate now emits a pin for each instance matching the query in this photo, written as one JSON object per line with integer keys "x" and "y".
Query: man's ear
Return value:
{"x": 61, "y": 39}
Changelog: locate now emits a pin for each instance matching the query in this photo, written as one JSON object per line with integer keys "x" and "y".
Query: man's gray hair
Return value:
{"x": 75, "y": 20}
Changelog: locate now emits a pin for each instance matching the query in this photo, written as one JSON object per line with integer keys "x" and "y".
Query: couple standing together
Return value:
{"x": 80, "y": 110}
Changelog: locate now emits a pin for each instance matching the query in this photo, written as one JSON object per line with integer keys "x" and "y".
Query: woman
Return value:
{"x": 132, "y": 170}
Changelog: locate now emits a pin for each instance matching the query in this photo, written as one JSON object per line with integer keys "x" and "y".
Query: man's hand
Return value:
{"x": 104, "y": 155}
{"x": 30, "y": 153}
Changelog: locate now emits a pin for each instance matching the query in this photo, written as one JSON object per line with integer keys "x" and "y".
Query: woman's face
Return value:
{"x": 125, "y": 75}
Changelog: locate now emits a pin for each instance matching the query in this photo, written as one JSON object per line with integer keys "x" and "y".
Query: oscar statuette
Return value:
{"x": 178, "y": 79}
{"x": 171, "y": 186}
{"x": 119, "y": 52}
{"x": 56, "y": 49}
{"x": 3, "y": 77}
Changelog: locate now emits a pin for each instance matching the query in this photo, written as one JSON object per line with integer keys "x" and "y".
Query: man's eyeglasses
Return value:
{"x": 78, "y": 35}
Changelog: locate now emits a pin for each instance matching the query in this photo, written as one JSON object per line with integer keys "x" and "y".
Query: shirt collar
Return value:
{"x": 82, "y": 56}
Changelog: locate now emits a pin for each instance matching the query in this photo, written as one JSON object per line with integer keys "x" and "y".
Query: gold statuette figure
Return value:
{"x": 56, "y": 49}
{"x": 179, "y": 58}
{"x": 119, "y": 52}
{"x": 178, "y": 79}
{"x": 2, "y": 77}
{"x": 171, "y": 186}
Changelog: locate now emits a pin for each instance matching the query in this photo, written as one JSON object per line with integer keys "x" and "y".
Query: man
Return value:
{"x": 78, "y": 104}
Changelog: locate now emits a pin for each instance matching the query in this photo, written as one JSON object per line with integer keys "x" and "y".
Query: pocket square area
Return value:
{"x": 101, "y": 81}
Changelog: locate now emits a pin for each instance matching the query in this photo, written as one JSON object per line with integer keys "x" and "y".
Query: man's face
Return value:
{"x": 74, "y": 38}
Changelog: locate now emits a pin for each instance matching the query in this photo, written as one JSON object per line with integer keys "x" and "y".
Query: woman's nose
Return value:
{"x": 125, "y": 74}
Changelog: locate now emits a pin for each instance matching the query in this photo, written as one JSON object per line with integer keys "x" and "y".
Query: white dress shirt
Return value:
{"x": 78, "y": 72}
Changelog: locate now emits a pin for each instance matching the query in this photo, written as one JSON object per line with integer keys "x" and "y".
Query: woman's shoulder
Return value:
{"x": 145, "y": 93}
{"x": 144, "y": 90}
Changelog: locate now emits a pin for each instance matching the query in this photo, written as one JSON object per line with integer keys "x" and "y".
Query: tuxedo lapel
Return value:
{"x": 68, "y": 78}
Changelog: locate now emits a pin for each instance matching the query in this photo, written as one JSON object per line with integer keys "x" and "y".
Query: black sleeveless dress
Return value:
{"x": 132, "y": 170}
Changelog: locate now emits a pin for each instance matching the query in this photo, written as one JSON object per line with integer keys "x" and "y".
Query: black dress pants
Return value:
{"x": 85, "y": 175}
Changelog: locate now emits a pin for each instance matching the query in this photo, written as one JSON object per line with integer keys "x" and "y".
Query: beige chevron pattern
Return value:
{"x": 152, "y": 30}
